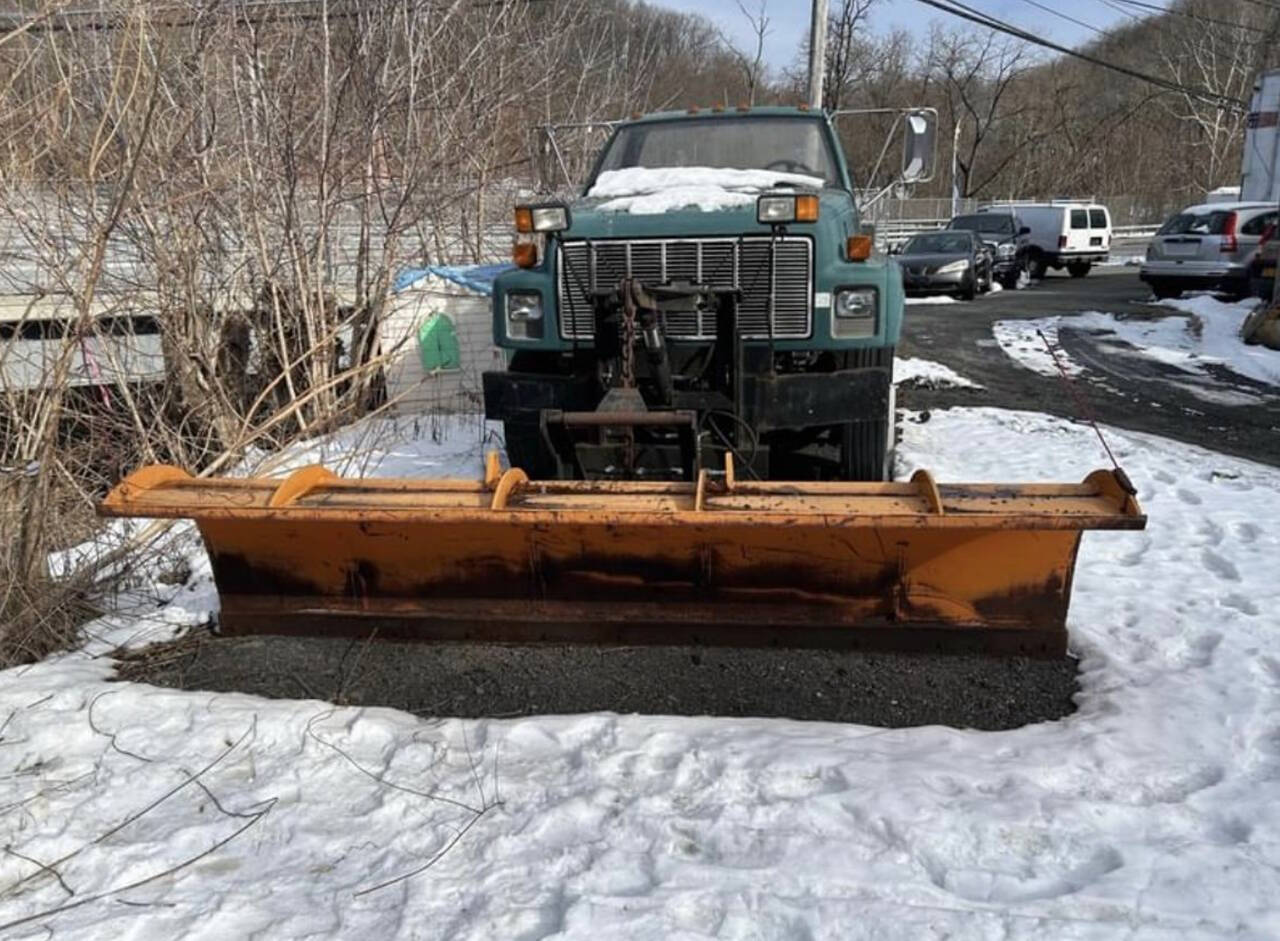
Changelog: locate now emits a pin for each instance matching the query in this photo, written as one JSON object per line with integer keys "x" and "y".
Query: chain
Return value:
{"x": 628, "y": 336}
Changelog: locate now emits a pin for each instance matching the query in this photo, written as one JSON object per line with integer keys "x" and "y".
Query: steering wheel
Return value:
{"x": 786, "y": 165}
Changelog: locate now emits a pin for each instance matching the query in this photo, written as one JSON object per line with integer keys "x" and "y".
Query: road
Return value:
{"x": 1222, "y": 411}
{"x": 879, "y": 689}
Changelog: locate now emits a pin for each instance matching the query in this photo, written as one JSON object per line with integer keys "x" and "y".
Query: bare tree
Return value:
{"x": 975, "y": 74}
{"x": 1205, "y": 52}
{"x": 848, "y": 53}
{"x": 751, "y": 62}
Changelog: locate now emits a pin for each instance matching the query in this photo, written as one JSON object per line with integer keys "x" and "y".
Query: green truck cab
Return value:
{"x": 710, "y": 292}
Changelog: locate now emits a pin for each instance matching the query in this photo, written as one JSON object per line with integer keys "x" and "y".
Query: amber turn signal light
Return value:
{"x": 806, "y": 209}
{"x": 524, "y": 219}
{"x": 524, "y": 254}
{"x": 858, "y": 248}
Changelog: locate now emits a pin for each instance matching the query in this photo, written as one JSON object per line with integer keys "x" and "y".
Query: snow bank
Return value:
{"x": 655, "y": 190}
{"x": 1150, "y": 813}
{"x": 1021, "y": 341}
{"x": 928, "y": 374}
{"x": 1210, "y": 337}
{"x": 931, "y": 299}
{"x": 1216, "y": 337}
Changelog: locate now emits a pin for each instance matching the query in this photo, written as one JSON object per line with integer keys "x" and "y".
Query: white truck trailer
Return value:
{"x": 1259, "y": 181}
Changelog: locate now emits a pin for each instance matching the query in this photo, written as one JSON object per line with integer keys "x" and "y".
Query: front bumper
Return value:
{"x": 769, "y": 402}
{"x": 934, "y": 283}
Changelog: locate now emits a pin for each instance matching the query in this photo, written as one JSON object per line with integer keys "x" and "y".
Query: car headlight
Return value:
{"x": 1006, "y": 250}
{"x": 524, "y": 315}
{"x": 952, "y": 267}
{"x": 855, "y": 312}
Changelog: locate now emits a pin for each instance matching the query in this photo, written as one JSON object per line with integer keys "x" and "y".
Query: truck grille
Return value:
{"x": 721, "y": 263}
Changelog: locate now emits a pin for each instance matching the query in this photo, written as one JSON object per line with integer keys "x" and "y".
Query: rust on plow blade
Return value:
{"x": 896, "y": 565}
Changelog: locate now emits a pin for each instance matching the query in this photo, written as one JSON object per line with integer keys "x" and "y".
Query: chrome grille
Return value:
{"x": 721, "y": 263}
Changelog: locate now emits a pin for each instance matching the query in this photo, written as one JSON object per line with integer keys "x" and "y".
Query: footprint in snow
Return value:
{"x": 1246, "y": 532}
{"x": 1211, "y": 532}
{"x": 1271, "y": 667}
{"x": 1200, "y": 649}
{"x": 1021, "y": 879}
{"x": 1242, "y": 604}
{"x": 1268, "y": 742}
{"x": 1230, "y": 830}
{"x": 1219, "y": 565}
{"x": 1188, "y": 497}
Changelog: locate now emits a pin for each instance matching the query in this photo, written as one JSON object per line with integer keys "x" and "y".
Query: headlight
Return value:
{"x": 1006, "y": 250}
{"x": 953, "y": 266}
{"x": 553, "y": 217}
{"x": 777, "y": 210}
{"x": 524, "y": 315}
{"x": 855, "y": 312}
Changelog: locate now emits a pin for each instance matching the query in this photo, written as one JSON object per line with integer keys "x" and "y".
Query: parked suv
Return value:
{"x": 1207, "y": 247}
{"x": 1001, "y": 232}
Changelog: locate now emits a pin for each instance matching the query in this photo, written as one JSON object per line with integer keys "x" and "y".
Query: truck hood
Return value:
{"x": 641, "y": 203}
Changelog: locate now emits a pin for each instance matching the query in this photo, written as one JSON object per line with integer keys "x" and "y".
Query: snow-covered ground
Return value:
{"x": 929, "y": 299}
{"x": 928, "y": 374}
{"x": 654, "y": 190}
{"x": 134, "y": 812}
{"x": 1209, "y": 337}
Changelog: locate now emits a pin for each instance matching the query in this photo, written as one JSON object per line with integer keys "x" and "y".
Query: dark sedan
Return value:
{"x": 948, "y": 262}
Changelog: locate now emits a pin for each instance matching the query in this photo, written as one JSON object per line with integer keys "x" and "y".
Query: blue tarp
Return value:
{"x": 478, "y": 278}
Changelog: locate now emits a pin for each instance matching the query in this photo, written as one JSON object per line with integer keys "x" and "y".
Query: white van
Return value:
{"x": 1071, "y": 234}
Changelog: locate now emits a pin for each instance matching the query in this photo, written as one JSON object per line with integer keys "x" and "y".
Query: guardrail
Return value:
{"x": 890, "y": 232}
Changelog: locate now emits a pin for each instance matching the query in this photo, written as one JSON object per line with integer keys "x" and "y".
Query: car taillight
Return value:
{"x": 1229, "y": 242}
{"x": 1062, "y": 241}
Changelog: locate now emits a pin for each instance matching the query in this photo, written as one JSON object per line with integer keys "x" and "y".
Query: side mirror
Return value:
{"x": 1025, "y": 230}
{"x": 920, "y": 144}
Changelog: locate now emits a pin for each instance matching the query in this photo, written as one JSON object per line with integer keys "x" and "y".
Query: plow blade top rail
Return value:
{"x": 898, "y": 565}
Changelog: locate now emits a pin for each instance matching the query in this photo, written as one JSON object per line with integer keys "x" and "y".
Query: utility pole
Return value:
{"x": 817, "y": 52}
{"x": 955, "y": 177}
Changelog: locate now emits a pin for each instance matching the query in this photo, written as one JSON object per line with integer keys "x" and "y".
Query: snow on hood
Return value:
{"x": 655, "y": 190}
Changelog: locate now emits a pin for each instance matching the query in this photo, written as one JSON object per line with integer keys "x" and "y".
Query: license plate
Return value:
{"x": 1181, "y": 248}
{"x": 1269, "y": 272}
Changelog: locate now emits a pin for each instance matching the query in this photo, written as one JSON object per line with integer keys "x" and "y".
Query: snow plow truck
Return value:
{"x": 699, "y": 424}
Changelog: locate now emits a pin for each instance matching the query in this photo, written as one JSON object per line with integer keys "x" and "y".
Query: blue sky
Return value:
{"x": 789, "y": 19}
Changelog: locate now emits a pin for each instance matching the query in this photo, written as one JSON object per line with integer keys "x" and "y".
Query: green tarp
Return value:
{"x": 438, "y": 344}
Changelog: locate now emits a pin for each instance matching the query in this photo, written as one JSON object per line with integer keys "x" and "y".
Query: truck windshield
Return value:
{"x": 987, "y": 224}
{"x": 791, "y": 145}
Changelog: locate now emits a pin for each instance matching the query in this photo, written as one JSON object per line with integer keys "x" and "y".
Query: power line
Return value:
{"x": 1173, "y": 11}
{"x": 956, "y": 8}
{"x": 1069, "y": 19}
{"x": 1120, "y": 9}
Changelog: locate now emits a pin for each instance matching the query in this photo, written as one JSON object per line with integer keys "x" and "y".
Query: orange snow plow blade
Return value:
{"x": 899, "y": 565}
